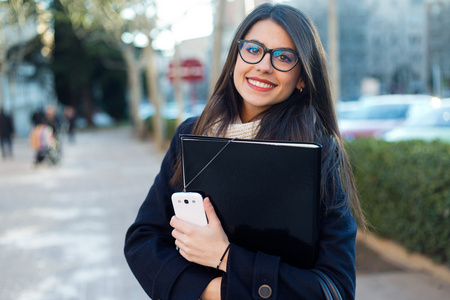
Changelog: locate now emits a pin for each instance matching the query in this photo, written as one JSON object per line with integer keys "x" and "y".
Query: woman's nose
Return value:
{"x": 265, "y": 65}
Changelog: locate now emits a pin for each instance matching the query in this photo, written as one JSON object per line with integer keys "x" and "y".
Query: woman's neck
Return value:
{"x": 247, "y": 117}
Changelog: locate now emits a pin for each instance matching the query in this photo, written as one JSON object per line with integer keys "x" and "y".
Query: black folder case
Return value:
{"x": 266, "y": 194}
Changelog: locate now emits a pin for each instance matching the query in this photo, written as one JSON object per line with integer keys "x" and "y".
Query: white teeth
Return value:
{"x": 261, "y": 84}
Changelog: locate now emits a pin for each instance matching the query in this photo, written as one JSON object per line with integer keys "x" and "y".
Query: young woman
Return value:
{"x": 274, "y": 85}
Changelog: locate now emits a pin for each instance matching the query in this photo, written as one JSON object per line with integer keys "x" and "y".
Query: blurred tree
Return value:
{"x": 124, "y": 25}
{"x": 81, "y": 66}
{"x": 72, "y": 66}
{"x": 113, "y": 85}
{"x": 110, "y": 80}
{"x": 17, "y": 28}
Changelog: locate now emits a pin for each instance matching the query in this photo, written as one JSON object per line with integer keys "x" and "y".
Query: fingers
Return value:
{"x": 185, "y": 246}
{"x": 181, "y": 246}
{"x": 181, "y": 228}
{"x": 175, "y": 222}
{"x": 178, "y": 232}
{"x": 181, "y": 225}
{"x": 210, "y": 212}
{"x": 183, "y": 231}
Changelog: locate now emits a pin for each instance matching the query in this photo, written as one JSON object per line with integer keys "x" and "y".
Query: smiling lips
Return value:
{"x": 260, "y": 84}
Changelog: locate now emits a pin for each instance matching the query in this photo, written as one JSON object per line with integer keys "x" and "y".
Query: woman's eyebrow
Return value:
{"x": 281, "y": 48}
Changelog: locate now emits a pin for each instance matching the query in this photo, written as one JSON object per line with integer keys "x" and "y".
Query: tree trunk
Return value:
{"x": 218, "y": 32}
{"x": 155, "y": 98}
{"x": 3, "y": 73}
{"x": 134, "y": 86}
{"x": 176, "y": 68}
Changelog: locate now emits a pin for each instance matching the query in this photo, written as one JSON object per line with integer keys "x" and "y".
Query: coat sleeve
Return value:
{"x": 149, "y": 247}
{"x": 258, "y": 275}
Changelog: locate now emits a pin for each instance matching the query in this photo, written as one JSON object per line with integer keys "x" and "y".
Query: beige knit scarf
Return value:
{"x": 238, "y": 130}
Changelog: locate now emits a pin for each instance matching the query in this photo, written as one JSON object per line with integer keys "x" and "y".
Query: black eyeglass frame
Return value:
{"x": 266, "y": 50}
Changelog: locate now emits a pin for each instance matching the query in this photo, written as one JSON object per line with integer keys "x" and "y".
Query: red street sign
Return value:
{"x": 191, "y": 70}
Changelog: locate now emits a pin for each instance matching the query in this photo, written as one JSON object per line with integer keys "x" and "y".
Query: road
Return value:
{"x": 62, "y": 228}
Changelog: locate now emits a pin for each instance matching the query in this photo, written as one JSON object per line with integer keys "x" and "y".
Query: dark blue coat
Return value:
{"x": 165, "y": 274}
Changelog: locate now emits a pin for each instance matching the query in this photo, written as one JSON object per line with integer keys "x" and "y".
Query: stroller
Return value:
{"x": 46, "y": 145}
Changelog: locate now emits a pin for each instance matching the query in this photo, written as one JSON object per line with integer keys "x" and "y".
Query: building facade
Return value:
{"x": 399, "y": 44}
{"x": 438, "y": 12}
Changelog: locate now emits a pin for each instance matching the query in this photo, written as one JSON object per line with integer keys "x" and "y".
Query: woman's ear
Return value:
{"x": 300, "y": 84}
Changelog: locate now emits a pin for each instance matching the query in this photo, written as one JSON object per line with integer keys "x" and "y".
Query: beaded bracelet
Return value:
{"x": 220, "y": 261}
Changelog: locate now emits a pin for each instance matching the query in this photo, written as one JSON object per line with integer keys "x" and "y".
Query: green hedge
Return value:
{"x": 404, "y": 188}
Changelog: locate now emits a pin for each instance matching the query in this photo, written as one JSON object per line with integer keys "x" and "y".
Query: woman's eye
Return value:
{"x": 285, "y": 57}
{"x": 253, "y": 49}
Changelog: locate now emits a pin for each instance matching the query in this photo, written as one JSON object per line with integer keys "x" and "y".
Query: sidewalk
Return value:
{"x": 387, "y": 271}
{"x": 62, "y": 228}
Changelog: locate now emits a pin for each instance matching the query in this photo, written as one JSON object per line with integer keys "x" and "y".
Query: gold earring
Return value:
{"x": 300, "y": 90}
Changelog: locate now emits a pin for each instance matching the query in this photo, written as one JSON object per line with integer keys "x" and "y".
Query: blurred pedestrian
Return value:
{"x": 69, "y": 114}
{"x": 38, "y": 116}
{"x": 52, "y": 119}
{"x": 6, "y": 134}
{"x": 45, "y": 137}
{"x": 43, "y": 142}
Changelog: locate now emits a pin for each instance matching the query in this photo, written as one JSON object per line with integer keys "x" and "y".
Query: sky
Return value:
{"x": 190, "y": 19}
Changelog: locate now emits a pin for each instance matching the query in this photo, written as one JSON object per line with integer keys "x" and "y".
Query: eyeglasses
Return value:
{"x": 281, "y": 59}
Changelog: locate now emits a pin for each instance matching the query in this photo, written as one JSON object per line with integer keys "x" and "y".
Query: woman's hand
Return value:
{"x": 203, "y": 245}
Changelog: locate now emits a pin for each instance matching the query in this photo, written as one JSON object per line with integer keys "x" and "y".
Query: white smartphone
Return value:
{"x": 189, "y": 207}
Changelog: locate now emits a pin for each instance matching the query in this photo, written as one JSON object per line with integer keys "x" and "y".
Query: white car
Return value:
{"x": 171, "y": 110}
{"x": 433, "y": 125}
{"x": 375, "y": 115}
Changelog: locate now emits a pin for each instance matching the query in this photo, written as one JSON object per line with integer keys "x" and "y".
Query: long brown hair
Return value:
{"x": 304, "y": 116}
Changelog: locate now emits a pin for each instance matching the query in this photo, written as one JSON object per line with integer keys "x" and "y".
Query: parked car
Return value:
{"x": 373, "y": 116}
{"x": 171, "y": 110}
{"x": 445, "y": 100}
{"x": 345, "y": 109}
{"x": 429, "y": 126}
